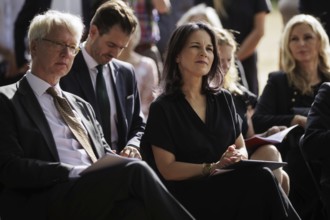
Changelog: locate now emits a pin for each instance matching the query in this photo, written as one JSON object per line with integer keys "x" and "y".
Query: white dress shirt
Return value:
{"x": 69, "y": 149}
{"x": 91, "y": 64}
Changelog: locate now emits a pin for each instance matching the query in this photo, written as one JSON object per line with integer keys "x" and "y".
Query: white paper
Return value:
{"x": 106, "y": 161}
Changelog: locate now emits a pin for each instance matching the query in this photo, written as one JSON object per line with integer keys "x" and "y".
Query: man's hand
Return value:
{"x": 130, "y": 151}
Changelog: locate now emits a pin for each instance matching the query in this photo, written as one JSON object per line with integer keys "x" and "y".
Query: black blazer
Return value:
{"x": 317, "y": 134}
{"x": 279, "y": 102}
{"x": 315, "y": 144}
{"x": 130, "y": 123}
{"x": 29, "y": 161}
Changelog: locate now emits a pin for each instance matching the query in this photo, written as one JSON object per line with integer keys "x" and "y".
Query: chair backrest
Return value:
{"x": 314, "y": 169}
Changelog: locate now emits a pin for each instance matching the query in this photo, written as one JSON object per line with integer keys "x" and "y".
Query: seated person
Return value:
{"x": 316, "y": 142}
{"x": 245, "y": 102}
{"x": 107, "y": 83}
{"x": 193, "y": 130}
{"x": 288, "y": 96}
{"x": 48, "y": 137}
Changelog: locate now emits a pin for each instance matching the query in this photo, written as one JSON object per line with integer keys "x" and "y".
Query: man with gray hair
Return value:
{"x": 48, "y": 137}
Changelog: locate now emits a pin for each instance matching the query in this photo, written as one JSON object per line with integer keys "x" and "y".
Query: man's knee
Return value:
{"x": 129, "y": 209}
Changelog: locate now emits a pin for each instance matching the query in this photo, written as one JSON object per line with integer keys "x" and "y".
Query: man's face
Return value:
{"x": 107, "y": 46}
{"x": 53, "y": 55}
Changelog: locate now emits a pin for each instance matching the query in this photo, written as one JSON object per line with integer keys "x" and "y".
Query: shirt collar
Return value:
{"x": 91, "y": 63}
{"x": 38, "y": 85}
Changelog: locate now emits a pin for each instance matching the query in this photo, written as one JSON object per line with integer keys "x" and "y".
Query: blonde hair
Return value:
{"x": 204, "y": 10}
{"x": 287, "y": 61}
{"x": 231, "y": 78}
{"x": 220, "y": 8}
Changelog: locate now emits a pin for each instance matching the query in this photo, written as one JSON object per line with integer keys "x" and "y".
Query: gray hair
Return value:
{"x": 42, "y": 24}
{"x": 201, "y": 10}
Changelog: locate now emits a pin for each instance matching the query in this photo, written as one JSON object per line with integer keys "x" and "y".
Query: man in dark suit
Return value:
{"x": 316, "y": 143}
{"x": 48, "y": 137}
{"x": 121, "y": 119}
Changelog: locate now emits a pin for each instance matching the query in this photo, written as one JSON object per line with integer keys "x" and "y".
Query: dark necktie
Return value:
{"x": 104, "y": 103}
{"x": 68, "y": 116}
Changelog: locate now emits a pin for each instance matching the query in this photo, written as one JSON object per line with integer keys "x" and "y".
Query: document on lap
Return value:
{"x": 273, "y": 165}
{"x": 257, "y": 140}
{"x": 106, "y": 161}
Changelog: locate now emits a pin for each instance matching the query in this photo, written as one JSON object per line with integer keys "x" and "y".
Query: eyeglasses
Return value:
{"x": 61, "y": 46}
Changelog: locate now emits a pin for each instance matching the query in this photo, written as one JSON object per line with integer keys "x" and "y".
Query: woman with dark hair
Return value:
{"x": 193, "y": 131}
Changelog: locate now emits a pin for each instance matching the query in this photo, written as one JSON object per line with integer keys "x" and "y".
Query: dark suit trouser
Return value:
{"x": 325, "y": 187}
{"x": 326, "y": 197}
{"x": 130, "y": 190}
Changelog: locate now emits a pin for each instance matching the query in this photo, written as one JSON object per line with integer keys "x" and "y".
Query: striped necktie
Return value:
{"x": 69, "y": 117}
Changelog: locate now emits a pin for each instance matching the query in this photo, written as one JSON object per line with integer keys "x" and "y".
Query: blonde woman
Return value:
{"x": 289, "y": 94}
{"x": 245, "y": 102}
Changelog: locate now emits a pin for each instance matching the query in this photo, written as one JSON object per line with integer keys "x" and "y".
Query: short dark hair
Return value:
{"x": 172, "y": 79}
{"x": 114, "y": 12}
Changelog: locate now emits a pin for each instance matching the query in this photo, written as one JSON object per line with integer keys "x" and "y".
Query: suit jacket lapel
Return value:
{"x": 117, "y": 84}
{"x": 83, "y": 78}
{"x": 33, "y": 108}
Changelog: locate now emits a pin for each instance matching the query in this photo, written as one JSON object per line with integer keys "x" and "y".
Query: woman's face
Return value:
{"x": 197, "y": 56}
{"x": 226, "y": 56}
{"x": 304, "y": 43}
